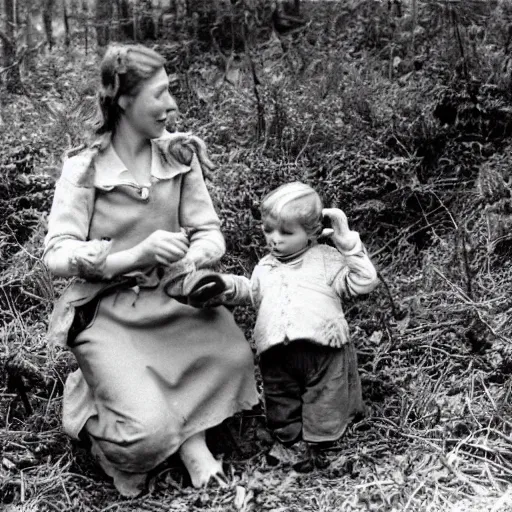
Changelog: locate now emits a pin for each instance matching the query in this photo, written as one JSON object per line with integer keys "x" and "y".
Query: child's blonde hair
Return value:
{"x": 296, "y": 202}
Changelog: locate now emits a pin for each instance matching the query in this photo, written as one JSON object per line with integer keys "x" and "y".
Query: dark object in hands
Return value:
{"x": 194, "y": 288}
{"x": 205, "y": 289}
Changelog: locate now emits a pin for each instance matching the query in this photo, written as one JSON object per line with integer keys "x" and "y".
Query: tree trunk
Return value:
{"x": 47, "y": 21}
{"x": 67, "y": 37}
{"x": 123, "y": 11}
{"x": 146, "y": 25}
{"x": 104, "y": 13}
{"x": 85, "y": 17}
{"x": 12, "y": 74}
{"x": 29, "y": 38}
{"x": 135, "y": 20}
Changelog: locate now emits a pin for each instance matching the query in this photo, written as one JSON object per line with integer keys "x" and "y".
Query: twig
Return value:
{"x": 487, "y": 393}
{"x": 470, "y": 302}
{"x": 394, "y": 309}
{"x": 22, "y": 486}
{"x": 500, "y": 467}
{"x": 465, "y": 259}
{"x": 502, "y": 500}
{"x": 412, "y": 495}
{"x": 305, "y": 144}
{"x": 374, "y": 483}
{"x": 403, "y": 234}
{"x": 65, "y": 491}
{"x": 32, "y": 295}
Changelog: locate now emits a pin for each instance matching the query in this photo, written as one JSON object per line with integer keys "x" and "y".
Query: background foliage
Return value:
{"x": 398, "y": 112}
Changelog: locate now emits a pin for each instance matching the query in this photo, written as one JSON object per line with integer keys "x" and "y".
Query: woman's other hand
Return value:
{"x": 344, "y": 239}
{"x": 164, "y": 247}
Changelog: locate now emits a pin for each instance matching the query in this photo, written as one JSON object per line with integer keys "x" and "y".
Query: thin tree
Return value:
{"x": 8, "y": 37}
{"x": 124, "y": 15}
{"x": 103, "y": 15}
{"x": 48, "y": 21}
{"x": 67, "y": 37}
{"x": 85, "y": 18}
{"x": 29, "y": 36}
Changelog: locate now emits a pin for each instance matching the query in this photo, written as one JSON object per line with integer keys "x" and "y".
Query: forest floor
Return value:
{"x": 415, "y": 147}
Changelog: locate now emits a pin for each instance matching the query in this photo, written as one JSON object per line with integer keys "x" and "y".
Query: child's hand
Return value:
{"x": 344, "y": 239}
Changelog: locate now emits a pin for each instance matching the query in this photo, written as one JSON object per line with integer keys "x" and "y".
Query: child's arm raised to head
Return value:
{"x": 357, "y": 276}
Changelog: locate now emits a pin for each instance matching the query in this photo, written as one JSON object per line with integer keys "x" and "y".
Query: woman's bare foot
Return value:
{"x": 129, "y": 485}
{"x": 200, "y": 463}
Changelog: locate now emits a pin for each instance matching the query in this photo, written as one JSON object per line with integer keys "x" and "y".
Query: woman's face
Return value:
{"x": 151, "y": 108}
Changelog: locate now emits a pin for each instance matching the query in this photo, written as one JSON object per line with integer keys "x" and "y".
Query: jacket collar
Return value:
{"x": 271, "y": 261}
{"x": 111, "y": 171}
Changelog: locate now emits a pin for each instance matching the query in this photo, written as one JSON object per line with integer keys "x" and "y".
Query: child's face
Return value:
{"x": 284, "y": 237}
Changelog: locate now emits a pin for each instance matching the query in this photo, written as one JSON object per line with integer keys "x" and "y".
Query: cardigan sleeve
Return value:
{"x": 352, "y": 273}
{"x": 199, "y": 219}
{"x": 241, "y": 290}
{"x": 68, "y": 222}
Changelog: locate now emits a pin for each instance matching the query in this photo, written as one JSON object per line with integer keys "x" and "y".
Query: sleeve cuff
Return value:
{"x": 358, "y": 247}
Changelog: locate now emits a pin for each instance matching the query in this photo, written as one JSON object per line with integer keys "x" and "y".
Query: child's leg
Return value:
{"x": 333, "y": 394}
{"x": 282, "y": 392}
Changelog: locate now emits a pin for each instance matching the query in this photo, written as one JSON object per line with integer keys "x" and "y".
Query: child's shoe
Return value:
{"x": 281, "y": 454}
{"x": 316, "y": 458}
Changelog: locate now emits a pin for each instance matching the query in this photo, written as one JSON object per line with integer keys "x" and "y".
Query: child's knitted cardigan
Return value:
{"x": 301, "y": 299}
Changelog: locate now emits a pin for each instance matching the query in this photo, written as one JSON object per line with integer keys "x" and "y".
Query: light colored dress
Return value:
{"x": 152, "y": 371}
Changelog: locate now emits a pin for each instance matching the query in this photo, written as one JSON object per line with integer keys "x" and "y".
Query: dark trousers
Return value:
{"x": 311, "y": 391}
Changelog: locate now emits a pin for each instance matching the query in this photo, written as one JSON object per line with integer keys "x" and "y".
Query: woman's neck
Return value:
{"x": 134, "y": 151}
{"x": 128, "y": 142}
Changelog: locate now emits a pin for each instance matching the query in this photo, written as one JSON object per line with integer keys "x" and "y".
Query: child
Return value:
{"x": 308, "y": 362}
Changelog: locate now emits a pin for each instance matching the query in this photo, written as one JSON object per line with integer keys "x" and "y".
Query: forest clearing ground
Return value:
{"x": 432, "y": 201}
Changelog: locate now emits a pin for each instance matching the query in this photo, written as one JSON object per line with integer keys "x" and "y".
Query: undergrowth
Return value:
{"x": 388, "y": 119}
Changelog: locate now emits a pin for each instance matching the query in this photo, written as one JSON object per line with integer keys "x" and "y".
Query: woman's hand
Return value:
{"x": 163, "y": 247}
{"x": 344, "y": 239}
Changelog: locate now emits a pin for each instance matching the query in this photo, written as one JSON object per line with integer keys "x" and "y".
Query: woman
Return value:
{"x": 131, "y": 216}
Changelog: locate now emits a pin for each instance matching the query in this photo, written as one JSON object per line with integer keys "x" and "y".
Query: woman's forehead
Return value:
{"x": 158, "y": 80}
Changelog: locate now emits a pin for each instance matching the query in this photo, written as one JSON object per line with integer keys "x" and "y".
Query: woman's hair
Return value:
{"x": 296, "y": 202}
{"x": 123, "y": 69}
